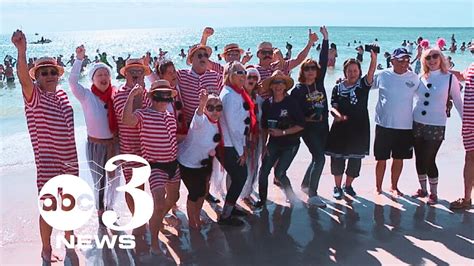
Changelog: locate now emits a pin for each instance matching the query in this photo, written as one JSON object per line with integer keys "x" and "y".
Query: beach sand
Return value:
{"x": 368, "y": 230}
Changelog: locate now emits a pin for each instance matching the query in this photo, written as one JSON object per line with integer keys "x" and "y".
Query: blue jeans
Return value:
{"x": 284, "y": 156}
{"x": 315, "y": 136}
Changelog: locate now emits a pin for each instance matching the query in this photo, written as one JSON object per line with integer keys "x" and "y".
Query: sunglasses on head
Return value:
{"x": 278, "y": 81}
{"x": 308, "y": 68}
{"x": 212, "y": 108}
{"x": 52, "y": 72}
{"x": 266, "y": 52}
{"x": 433, "y": 56}
{"x": 200, "y": 56}
{"x": 240, "y": 72}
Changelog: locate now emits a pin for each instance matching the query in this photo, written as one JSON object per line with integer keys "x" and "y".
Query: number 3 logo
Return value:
{"x": 140, "y": 198}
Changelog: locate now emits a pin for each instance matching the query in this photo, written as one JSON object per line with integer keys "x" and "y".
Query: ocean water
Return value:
{"x": 15, "y": 145}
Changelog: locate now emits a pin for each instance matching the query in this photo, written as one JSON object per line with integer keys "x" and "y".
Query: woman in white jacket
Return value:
{"x": 237, "y": 122}
{"x": 429, "y": 117}
{"x": 102, "y": 141}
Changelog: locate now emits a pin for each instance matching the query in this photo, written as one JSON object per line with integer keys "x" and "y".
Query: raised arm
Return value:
{"x": 372, "y": 67}
{"x": 312, "y": 38}
{"x": 323, "y": 55}
{"x": 19, "y": 40}
{"x": 207, "y": 32}
{"x": 128, "y": 117}
{"x": 77, "y": 89}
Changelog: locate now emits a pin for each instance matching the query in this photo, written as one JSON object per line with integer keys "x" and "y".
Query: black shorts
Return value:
{"x": 394, "y": 143}
{"x": 195, "y": 180}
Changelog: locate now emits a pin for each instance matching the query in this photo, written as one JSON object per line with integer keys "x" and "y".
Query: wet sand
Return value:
{"x": 367, "y": 230}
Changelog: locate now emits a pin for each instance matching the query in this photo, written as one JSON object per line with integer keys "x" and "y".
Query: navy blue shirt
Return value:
{"x": 282, "y": 115}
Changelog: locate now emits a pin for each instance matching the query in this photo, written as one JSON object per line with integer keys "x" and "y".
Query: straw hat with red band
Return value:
{"x": 232, "y": 47}
{"x": 135, "y": 62}
{"x": 278, "y": 75}
{"x": 194, "y": 49}
{"x": 162, "y": 85}
{"x": 46, "y": 62}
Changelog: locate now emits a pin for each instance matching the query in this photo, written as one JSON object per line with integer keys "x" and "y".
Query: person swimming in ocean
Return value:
{"x": 182, "y": 54}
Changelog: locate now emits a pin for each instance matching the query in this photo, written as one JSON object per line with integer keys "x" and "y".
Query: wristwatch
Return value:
{"x": 284, "y": 132}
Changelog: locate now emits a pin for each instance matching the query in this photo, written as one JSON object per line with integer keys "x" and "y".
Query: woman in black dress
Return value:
{"x": 349, "y": 136}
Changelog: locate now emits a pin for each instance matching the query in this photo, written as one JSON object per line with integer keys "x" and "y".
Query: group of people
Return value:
{"x": 237, "y": 114}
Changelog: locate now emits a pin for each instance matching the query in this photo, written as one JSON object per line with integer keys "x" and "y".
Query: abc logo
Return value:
{"x": 68, "y": 202}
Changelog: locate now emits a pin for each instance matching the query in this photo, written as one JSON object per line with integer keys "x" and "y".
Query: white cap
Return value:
{"x": 254, "y": 71}
{"x": 95, "y": 67}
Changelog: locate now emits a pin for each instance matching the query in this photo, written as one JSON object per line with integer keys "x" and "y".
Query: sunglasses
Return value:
{"x": 212, "y": 108}
{"x": 241, "y": 72}
{"x": 308, "y": 68}
{"x": 49, "y": 73}
{"x": 278, "y": 81}
{"x": 434, "y": 56}
{"x": 403, "y": 60}
{"x": 136, "y": 71}
{"x": 200, "y": 56}
{"x": 266, "y": 52}
{"x": 252, "y": 77}
{"x": 162, "y": 97}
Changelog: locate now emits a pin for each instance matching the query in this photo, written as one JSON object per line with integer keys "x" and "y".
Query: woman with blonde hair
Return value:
{"x": 429, "y": 117}
{"x": 237, "y": 122}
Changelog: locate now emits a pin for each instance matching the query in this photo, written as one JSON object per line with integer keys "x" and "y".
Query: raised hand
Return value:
{"x": 312, "y": 37}
{"x": 203, "y": 97}
{"x": 324, "y": 32}
{"x": 208, "y": 31}
{"x": 80, "y": 52}
{"x": 137, "y": 90}
{"x": 19, "y": 40}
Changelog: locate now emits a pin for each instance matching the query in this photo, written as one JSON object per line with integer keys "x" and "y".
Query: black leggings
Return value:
{"x": 425, "y": 152}
{"x": 238, "y": 173}
{"x": 195, "y": 180}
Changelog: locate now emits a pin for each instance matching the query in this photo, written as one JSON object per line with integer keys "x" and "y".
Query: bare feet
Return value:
{"x": 378, "y": 191}
{"x": 48, "y": 256}
{"x": 395, "y": 192}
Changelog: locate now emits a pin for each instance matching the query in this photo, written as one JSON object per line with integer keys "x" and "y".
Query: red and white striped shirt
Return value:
{"x": 468, "y": 107}
{"x": 191, "y": 83}
{"x": 267, "y": 72}
{"x": 50, "y": 121}
{"x": 128, "y": 135}
{"x": 157, "y": 135}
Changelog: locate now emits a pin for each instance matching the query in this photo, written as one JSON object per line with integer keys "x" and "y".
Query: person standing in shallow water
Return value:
{"x": 394, "y": 118}
{"x": 349, "y": 136}
{"x": 311, "y": 96}
{"x": 283, "y": 120}
{"x": 102, "y": 128}
{"x": 46, "y": 107}
{"x": 430, "y": 116}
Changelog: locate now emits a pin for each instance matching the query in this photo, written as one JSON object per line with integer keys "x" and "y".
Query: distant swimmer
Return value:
{"x": 332, "y": 54}
{"x": 348, "y": 44}
{"x": 103, "y": 58}
{"x": 463, "y": 47}
{"x": 120, "y": 62}
{"x": 10, "y": 77}
{"x": 387, "y": 58}
{"x": 318, "y": 48}
{"x": 360, "y": 53}
{"x": 182, "y": 54}
{"x": 215, "y": 48}
{"x": 162, "y": 54}
{"x": 404, "y": 43}
{"x": 288, "y": 50}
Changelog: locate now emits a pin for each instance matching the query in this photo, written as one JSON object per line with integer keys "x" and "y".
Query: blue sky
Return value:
{"x": 71, "y": 15}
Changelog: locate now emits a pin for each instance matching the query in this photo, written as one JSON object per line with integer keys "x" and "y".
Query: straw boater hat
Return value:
{"x": 232, "y": 47}
{"x": 46, "y": 62}
{"x": 162, "y": 85}
{"x": 135, "y": 62}
{"x": 278, "y": 74}
{"x": 195, "y": 48}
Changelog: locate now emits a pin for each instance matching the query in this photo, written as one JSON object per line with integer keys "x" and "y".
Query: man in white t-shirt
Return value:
{"x": 394, "y": 118}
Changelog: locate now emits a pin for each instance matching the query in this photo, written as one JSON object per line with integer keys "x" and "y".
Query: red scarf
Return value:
{"x": 106, "y": 97}
{"x": 253, "y": 118}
